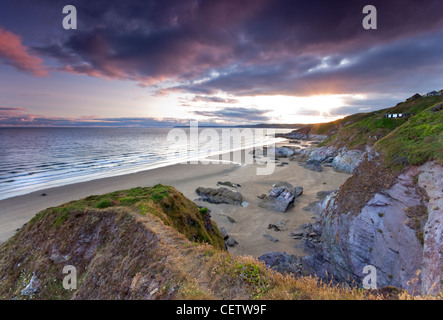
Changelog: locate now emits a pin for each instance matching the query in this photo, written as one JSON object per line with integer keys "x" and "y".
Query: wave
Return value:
{"x": 88, "y": 156}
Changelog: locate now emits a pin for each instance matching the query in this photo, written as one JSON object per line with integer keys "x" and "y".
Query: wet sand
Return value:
{"x": 251, "y": 222}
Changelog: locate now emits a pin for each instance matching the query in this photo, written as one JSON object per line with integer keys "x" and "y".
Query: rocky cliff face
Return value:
{"x": 341, "y": 159}
{"x": 431, "y": 179}
{"x": 142, "y": 243}
{"x": 389, "y": 214}
{"x": 398, "y": 230}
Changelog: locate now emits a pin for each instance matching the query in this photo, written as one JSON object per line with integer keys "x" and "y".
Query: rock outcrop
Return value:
{"x": 281, "y": 197}
{"x": 220, "y": 195}
{"x": 341, "y": 159}
{"x": 282, "y": 262}
{"x": 228, "y": 184}
{"x": 347, "y": 160}
{"x": 398, "y": 230}
{"x": 430, "y": 178}
{"x": 280, "y": 152}
{"x": 229, "y": 241}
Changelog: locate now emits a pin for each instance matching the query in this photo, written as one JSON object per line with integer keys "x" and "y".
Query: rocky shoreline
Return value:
{"x": 398, "y": 229}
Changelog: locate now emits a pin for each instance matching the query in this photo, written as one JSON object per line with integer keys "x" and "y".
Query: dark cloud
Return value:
{"x": 11, "y": 116}
{"x": 252, "y": 47}
{"x": 6, "y": 112}
{"x": 407, "y": 65}
{"x": 237, "y": 114}
{"x": 213, "y": 99}
{"x": 11, "y": 109}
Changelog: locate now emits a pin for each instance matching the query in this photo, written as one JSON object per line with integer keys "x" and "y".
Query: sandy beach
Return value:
{"x": 251, "y": 221}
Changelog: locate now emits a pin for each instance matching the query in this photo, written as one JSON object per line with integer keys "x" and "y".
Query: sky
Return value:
{"x": 223, "y": 62}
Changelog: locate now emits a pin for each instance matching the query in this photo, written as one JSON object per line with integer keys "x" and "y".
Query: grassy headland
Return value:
{"x": 143, "y": 243}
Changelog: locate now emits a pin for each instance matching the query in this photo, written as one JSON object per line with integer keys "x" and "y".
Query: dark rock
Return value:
{"x": 281, "y": 152}
{"x": 298, "y": 191}
{"x": 220, "y": 195}
{"x": 281, "y": 197}
{"x": 314, "y": 165}
{"x": 230, "y": 219}
{"x": 231, "y": 242}
{"x": 274, "y": 227}
{"x": 282, "y": 262}
{"x": 228, "y": 184}
{"x": 224, "y": 233}
{"x": 271, "y": 238}
{"x": 323, "y": 194}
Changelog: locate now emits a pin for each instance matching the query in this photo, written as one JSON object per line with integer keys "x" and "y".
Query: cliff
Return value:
{"x": 389, "y": 214}
{"x": 142, "y": 243}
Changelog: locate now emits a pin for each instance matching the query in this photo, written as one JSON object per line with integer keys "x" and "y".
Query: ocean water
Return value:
{"x": 32, "y": 159}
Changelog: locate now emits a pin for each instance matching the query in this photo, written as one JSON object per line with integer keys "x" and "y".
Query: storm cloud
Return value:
{"x": 252, "y": 47}
{"x": 237, "y": 114}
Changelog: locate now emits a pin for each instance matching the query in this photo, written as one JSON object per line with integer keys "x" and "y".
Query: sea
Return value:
{"x": 33, "y": 159}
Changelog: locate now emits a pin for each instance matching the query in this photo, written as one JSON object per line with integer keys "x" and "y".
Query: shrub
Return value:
{"x": 103, "y": 204}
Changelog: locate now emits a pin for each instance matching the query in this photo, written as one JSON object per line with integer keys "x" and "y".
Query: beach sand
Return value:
{"x": 251, "y": 222}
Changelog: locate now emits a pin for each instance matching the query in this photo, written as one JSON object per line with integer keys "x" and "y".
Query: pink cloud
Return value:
{"x": 14, "y": 53}
{"x": 11, "y": 112}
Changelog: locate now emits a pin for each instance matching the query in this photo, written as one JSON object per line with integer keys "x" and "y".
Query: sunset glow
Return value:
{"x": 220, "y": 62}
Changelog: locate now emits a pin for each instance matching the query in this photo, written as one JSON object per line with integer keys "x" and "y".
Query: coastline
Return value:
{"x": 251, "y": 222}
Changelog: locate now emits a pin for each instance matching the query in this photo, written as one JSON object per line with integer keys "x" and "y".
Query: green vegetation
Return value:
{"x": 253, "y": 274}
{"x": 161, "y": 201}
{"x": 120, "y": 253}
{"x": 203, "y": 211}
{"x": 418, "y": 140}
{"x": 410, "y": 140}
{"x": 126, "y": 201}
{"x": 103, "y": 204}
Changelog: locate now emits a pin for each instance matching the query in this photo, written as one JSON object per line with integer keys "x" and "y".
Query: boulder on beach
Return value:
{"x": 281, "y": 197}
{"x": 228, "y": 184}
{"x": 270, "y": 238}
{"x": 220, "y": 195}
{"x": 231, "y": 242}
{"x": 281, "y": 152}
{"x": 313, "y": 165}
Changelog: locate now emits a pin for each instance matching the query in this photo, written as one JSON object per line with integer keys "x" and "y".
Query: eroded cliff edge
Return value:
{"x": 389, "y": 214}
